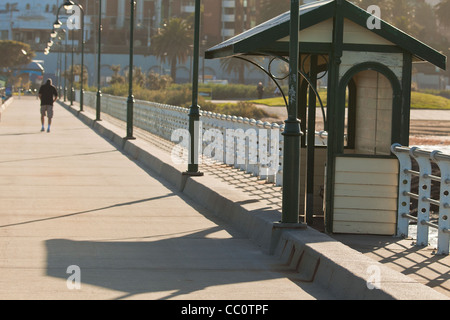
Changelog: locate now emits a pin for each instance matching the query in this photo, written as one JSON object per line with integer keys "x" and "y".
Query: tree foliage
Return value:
{"x": 116, "y": 77}
{"x": 173, "y": 44}
{"x": 14, "y": 54}
{"x": 238, "y": 66}
{"x": 443, "y": 11}
{"x": 272, "y": 8}
{"x": 76, "y": 75}
{"x": 151, "y": 80}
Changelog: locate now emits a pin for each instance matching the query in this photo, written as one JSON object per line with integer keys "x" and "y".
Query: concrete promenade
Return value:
{"x": 136, "y": 228}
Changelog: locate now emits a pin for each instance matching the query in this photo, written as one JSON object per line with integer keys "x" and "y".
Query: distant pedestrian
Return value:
{"x": 47, "y": 95}
{"x": 260, "y": 89}
{"x": 277, "y": 92}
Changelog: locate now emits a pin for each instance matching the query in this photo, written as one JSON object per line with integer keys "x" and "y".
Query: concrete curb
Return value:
{"x": 344, "y": 272}
{"x": 314, "y": 256}
{"x": 5, "y": 105}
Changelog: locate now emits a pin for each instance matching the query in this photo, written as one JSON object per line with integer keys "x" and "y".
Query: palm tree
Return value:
{"x": 232, "y": 65}
{"x": 240, "y": 67}
{"x": 173, "y": 44}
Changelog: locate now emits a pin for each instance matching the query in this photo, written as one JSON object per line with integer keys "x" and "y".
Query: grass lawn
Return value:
{"x": 428, "y": 101}
{"x": 419, "y": 100}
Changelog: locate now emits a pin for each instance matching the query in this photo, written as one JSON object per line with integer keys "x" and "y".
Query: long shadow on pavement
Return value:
{"x": 167, "y": 267}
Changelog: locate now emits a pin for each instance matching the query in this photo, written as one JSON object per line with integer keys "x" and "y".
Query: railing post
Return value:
{"x": 444, "y": 207}
{"x": 253, "y": 149}
{"x": 424, "y": 159}
{"x": 279, "y": 177}
{"x": 240, "y": 149}
{"x": 262, "y": 150}
{"x": 404, "y": 199}
{"x": 274, "y": 151}
{"x": 423, "y": 207}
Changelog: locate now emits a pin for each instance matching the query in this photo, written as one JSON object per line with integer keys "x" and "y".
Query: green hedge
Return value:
{"x": 181, "y": 95}
{"x": 442, "y": 93}
{"x": 241, "y": 108}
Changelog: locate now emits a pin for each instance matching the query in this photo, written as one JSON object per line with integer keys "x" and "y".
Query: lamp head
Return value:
{"x": 68, "y": 5}
{"x": 57, "y": 24}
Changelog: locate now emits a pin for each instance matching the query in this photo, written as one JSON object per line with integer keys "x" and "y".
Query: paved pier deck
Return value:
{"x": 73, "y": 198}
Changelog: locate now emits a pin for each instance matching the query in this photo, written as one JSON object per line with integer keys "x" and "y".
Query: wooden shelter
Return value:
{"x": 368, "y": 108}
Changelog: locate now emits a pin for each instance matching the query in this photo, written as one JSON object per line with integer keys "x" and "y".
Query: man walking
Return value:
{"x": 47, "y": 95}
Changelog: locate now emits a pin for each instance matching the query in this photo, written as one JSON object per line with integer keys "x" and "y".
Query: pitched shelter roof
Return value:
{"x": 316, "y": 35}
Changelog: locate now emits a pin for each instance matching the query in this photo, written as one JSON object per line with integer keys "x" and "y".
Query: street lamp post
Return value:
{"x": 68, "y": 5}
{"x": 58, "y": 73}
{"x": 194, "y": 110}
{"x": 130, "y": 101}
{"x": 99, "y": 93}
{"x": 65, "y": 66}
{"x": 72, "y": 91}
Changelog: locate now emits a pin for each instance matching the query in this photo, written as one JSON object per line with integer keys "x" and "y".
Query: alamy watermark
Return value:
{"x": 374, "y": 21}
{"x": 232, "y": 146}
{"x": 74, "y": 20}
{"x": 74, "y": 280}
{"x": 374, "y": 277}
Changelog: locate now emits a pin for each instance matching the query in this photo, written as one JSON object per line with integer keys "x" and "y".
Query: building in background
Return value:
{"x": 31, "y": 21}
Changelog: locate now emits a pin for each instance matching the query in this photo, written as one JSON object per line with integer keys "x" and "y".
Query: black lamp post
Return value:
{"x": 72, "y": 91}
{"x": 130, "y": 101}
{"x": 99, "y": 93}
{"x": 68, "y": 5}
{"x": 64, "y": 32}
{"x": 194, "y": 110}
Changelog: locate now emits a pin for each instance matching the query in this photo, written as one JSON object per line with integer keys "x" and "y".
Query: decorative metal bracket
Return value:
{"x": 275, "y": 79}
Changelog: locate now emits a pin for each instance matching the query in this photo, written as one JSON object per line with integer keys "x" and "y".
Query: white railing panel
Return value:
{"x": 252, "y": 146}
{"x": 424, "y": 160}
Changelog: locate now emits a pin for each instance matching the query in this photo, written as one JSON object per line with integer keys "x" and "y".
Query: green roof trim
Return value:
{"x": 265, "y": 37}
{"x": 266, "y": 34}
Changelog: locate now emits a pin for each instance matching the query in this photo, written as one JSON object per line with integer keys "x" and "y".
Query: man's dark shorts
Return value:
{"x": 47, "y": 110}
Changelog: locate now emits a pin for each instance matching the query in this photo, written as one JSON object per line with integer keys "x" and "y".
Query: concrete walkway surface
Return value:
{"x": 82, "y": 201}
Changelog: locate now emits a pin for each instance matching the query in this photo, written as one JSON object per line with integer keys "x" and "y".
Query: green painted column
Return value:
{"x": 82, "y": 61}
{"x": 292, "y": 132}
{"x": 99, "y": 65}
{"x": 194, "y": 110}
{"x": 309, "y": 194}
{"x": 130, "y": 101}
{"x": 335, "y": 142}
{"x": 66, "y": 34}
{"x": 71, "y": 75}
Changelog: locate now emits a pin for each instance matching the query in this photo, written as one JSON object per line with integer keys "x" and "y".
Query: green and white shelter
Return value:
{"x": 369, "y": 67}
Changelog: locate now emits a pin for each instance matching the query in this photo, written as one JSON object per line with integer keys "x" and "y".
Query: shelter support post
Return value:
{"x": 334, "y": 127}
{"x": 292, "y": 132}
{"x": 311, "y": 137}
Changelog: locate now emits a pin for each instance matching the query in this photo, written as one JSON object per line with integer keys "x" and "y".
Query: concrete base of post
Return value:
{"x": 278, "y": 228}
{"x": 193, "y": 174}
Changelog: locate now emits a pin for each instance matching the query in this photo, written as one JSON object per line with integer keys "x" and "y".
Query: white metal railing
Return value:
{"x": 424, "y": 160}
{"x": 258, "y": 152}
